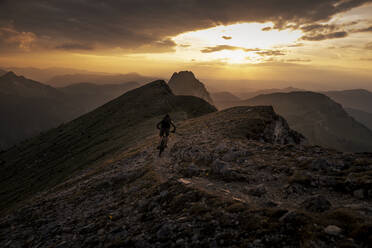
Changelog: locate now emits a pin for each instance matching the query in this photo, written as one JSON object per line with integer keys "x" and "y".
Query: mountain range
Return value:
{"x": 48, "y": 159}
{"x": 323, "y": 121}
{"x": 240, "y": 177}
{"x": 30, "y": 107}
{"x": 68, "y": 79}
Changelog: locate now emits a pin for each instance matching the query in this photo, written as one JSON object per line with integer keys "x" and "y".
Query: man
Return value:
{"x": 164, "y": 127}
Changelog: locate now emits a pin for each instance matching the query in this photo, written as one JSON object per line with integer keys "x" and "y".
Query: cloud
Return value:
{"x": 226, "y": 37}
{"x": 363, "y": 30}
{"x": 132, "y": 24}
{"x": 368, "y": 46}
{"x": 271, "y": 53}
{"x": 266, "y": 29}
{"x": 318, "y": 37}
{"x": 227, "y": 47}
{"x": 74, "y": 46}
{"x": 297, "y": 60}
{"x": 13, "y": 39}
{"x": 366, "y": 59}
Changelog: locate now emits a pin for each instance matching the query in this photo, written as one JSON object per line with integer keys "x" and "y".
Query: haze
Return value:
{"x": 232, "y": 45}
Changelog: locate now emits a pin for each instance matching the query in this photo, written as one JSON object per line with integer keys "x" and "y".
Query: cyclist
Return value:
{"x": 164, "y": 126}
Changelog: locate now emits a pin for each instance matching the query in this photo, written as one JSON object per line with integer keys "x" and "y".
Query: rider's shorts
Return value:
{"x": 164, "y": 131}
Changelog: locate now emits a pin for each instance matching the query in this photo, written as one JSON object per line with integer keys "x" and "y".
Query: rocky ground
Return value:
{"x": 236, "y": 178}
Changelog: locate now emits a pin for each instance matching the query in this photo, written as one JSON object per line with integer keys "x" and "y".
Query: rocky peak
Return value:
{"x": 185, "y": 83}
{"x": 10, "y": 75}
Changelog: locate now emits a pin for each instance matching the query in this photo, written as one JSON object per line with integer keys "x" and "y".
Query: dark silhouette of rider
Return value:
{"x": 165, "y": 125}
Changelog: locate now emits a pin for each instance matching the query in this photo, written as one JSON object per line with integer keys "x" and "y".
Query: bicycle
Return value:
{"x": 163, "y": 143}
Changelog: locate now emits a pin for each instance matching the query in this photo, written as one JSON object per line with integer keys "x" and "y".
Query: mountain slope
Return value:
{"x": 185, "y": 83}
{"x": 225, "y": 99}
{"x": 2, "y": 72}
{"x": 29, "y": 107}
{"x": 357, "y": 99}
{"x": 363, "y": 117}
{"x": 64, "y": 80}
{"x": 247, "y": 95}
{"x": 215, "y": 187}
{"x": 89, "y": 96}
{"x": 50, "y": 158}
{"x": 323, "y": 121}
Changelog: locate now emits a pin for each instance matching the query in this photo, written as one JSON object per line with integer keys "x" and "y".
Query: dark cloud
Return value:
{"x": 318, "y": 37}
{"x": 266, "y": 29}
{"x": 226, "y": 37}
{"x": 74, "y": 46}
{"x": 271, "y": 53}
{"x": 132, "y": 24}
{"x": 227, "y": 47}
{"x": 296, "y": 45}
{"x": 366, "y": 59}
{"x": 297, "y": 60}
{"x": 318, "y": 27}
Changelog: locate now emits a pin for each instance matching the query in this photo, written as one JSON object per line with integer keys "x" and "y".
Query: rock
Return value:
{"x": 258, "y": 190}
{"x": 359, "y": 193}
{"x": 224, "y": 169}
{"x": 316, "y": 204}
{"x": 190, "y": 170}
{"x": 164, "y": 233}
{"x": 333, "y": 230}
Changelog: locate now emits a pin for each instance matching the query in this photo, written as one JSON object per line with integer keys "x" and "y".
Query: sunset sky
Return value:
{"x": 317, "y": 42}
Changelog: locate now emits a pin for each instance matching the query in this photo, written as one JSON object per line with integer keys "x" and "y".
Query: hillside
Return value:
{"x": 225, "y": 99}
{"x": 323, "y": 121}
{"x": 89, "y": 96}
{"x": 247, "y": 95}
{"x": 2, "y": 72}
{"x": 29, "y": 107}
{"x": 185, "y": 83}
{"x": 54, "y": 156}
{"x": 235, "y": 178}
{"x": 64, "y": 80}
{"x": 363, "y": 117}
{"x": 359, "y": 99}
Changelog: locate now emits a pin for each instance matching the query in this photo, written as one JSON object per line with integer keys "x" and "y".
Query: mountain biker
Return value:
{"x": 164, "y": 126}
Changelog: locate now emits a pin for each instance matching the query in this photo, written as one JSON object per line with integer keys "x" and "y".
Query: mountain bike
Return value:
{"x": 163, "y": 144}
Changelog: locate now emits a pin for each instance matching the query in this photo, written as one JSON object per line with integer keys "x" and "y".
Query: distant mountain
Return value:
{"x": 363, "y": 117}
{"x": 43, "y": 75}
{"x": 64, "y": 80}
{"x": 106, "y": 132}
{"x": 89, "y": 96}
{"x": 29, "y": 107}
{"x": 225, "y": 99}
{"x": 2, "y": 72}
{"x": 247, "y": 95}
{"x": 11, "y": 84}
{"x": 323, "y": 121}
{"x": 185, "y": 83}
{"x": 356, "y": 99}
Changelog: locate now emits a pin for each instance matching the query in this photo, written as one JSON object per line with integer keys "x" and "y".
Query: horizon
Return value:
{"x": 316, "y": 46}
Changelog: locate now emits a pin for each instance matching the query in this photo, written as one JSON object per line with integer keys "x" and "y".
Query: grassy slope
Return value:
{"x": 321, "y": 120}
{"x": 52, "y": 157}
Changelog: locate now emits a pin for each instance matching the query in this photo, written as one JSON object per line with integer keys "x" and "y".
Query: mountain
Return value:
{"x": 11, "y": 84}
{"x": 29, "y": 107}
{"x": 89, "y": 96}
{"x": 235, "y": 178}
{"x": 2, "y": 72}
{"x": 185, "y": 83}
{"x": 43, "y": 75}
{"x": 247, "y": 95}
{"x": 323, "y": 121}
{"x": 225, "y": 99}
{"x": 363, "y": 117}
{"x": 356, "y": 99}
{"x": 54, "y": 156}
{"x": 64, "y": 80}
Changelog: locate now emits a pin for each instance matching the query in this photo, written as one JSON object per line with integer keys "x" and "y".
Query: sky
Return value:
{"x": 301, "y": 43}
